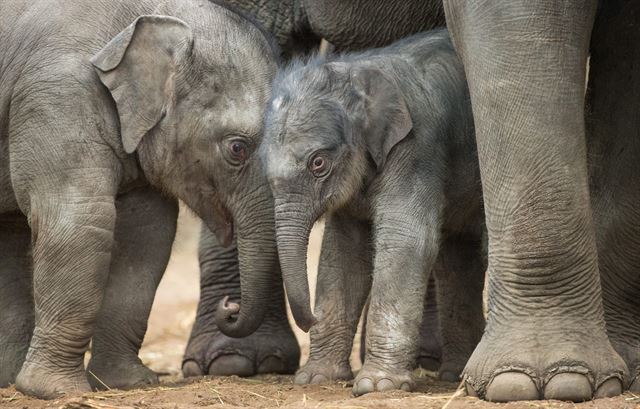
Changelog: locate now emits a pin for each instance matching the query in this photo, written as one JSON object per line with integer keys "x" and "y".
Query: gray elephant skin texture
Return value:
{"x": 298, "y": 25}
{"x": 559, "y": 194}
{"x": 109, "y": 113}
{"x": 382, "y": 143}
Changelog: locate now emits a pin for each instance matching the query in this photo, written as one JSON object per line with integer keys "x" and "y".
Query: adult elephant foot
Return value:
{"x": 544, "y": 363}
{"x": 272, "y": 348}
{"x": 265, "y": 351}
{"x": 375, "y": 379}
{"x": 39, "y": 381}
{"x": 119, "y": 374}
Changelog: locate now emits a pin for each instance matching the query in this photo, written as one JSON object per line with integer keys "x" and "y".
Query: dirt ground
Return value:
{"x": 169, "y": 326}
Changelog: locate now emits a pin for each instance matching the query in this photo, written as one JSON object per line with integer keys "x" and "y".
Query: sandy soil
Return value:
{"x": 169, "y": 326}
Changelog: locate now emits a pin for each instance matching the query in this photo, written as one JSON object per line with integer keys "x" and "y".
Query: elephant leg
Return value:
{"x": 344, "y": 280}
{"x": 406, "y": 247}
{"x": 613, "y": 140}
{"x": 273, "y": 348}
{"x": 144, "y": 233}
{"x": 459, "y": 276}
{"x": 430, "y": 347}
{"x": 16, "y": 298}
{"x": 72, "y": 229}
{"x": 545, "y": 335}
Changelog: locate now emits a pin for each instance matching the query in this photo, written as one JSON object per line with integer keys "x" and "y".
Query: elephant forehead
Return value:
{"x": 284, "y": 161}
{"x": 242, "y": 111}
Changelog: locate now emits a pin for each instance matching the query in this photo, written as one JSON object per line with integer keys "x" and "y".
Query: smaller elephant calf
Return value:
{"x": 382, "y": 142}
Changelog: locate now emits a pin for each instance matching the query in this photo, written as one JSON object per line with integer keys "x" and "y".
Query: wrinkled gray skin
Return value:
{"x": 100, "y": 112}
{"x": 382, "y": 143}
{"x": 430, "y": 345}
{"x": 525, "y": 61}
{"x": 447, "y": 349}
{"x": 298, "y": 26}
{"x": 272, "y": 348}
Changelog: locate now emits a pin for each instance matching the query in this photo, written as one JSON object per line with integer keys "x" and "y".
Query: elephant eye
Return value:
{"x": 238, "y": 150}
{"x": 319, "y": 165}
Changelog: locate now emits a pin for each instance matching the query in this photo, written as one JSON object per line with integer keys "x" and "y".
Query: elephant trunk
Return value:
{"x": 257, "y": 257}
{"x": 293, "y": 227}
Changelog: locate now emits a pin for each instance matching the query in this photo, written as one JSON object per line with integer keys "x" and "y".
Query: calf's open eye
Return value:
{"x": 238, "y": 150}
{"x": 319, "y": 165}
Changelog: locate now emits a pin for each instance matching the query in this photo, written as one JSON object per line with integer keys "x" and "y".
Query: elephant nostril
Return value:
{"x": 227, "y": 310}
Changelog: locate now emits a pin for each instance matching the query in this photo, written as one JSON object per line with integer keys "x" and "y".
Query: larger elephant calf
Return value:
{"x": 109, "y": 112}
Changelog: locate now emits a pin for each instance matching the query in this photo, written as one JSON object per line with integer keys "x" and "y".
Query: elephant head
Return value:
{"x": 190, "y": 96}
{"x": 329, "y": 129}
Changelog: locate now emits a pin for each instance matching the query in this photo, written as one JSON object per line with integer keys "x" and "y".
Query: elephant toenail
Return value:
{"x": 227, "y": 365}
{"x": 191, "y": 368}
{"x": 385, "y": 385}
{"x": 319, "y": 378}
{"x": 302, "y": 378}
{"x": 511, "y": 386}
{"x": 364, "y": 385}
{"x": 405, "y": 387}
{"x": 569, "y": 386}
{"x": 609, "y": 388}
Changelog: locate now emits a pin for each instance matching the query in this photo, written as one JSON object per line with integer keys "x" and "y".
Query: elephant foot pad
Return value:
{"x": 375, "y": 380}
{"x": 315, "y": 372}
{"x": 258, "y": 353}
{"x": 582, "y": 368}
{"x": 120, "y": 375}
{"x": 40, "y": 382}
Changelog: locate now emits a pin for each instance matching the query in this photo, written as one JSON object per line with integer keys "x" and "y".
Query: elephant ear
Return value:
{"x": 139, "y": 67}
{"x": 385, "y": 117}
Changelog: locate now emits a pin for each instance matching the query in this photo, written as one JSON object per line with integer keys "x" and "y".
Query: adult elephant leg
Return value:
{"x": 545, "y": 335}
{"x": 344, "y": 280}
{"x": 16, "y": 300}
{"x": 459, "y": 276}
{"x": 613, "y": 140}
{"x": 144, "y": 232}
{"x": 430, "y": 350}
{"x": 273, "y": 348}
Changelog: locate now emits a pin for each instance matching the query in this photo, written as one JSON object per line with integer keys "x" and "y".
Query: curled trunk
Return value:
{"x": 257, "y": 258}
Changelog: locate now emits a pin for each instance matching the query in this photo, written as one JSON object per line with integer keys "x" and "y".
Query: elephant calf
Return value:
{"x": 383, "y": 142}
{"x": 110, "y": 112}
